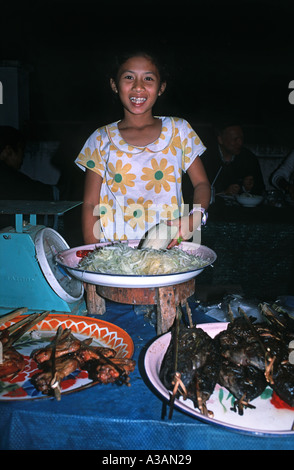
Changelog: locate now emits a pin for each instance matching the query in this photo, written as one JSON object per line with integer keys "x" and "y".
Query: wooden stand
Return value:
{"x": 165, "y": 298}
{"x": 95, "y": 303}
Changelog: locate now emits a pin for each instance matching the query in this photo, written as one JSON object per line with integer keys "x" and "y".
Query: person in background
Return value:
{"x": 12, "y": 145}
{"x": 15, "y": 185}
{"x": 283, "y": 177}
{"x": 232, "y": 168}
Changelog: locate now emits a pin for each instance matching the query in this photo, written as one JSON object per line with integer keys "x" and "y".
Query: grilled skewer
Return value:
{"x": 13, "y": 362}
{"x": 11, "y": 315}
{"x": 14, "y": 332}
{"x": 54, "y": 383}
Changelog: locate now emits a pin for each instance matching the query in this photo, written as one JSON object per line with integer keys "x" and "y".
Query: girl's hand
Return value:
{"x": 186, "y": 227}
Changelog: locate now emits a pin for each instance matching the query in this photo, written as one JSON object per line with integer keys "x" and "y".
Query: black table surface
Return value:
{"x": 228, "y": 210}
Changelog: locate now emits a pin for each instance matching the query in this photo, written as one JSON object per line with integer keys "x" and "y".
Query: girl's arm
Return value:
{"x": 93, "y": 183}
{"x": 200, "y": 183}
{"x": 188, "y": 224}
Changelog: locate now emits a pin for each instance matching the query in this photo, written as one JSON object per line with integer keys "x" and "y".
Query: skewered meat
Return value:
{"x": 118, "y": 370}
{"x": 67, "y": 344}
{"x": 279, "y": 320}
{"x": 62, "y": 356}
{"x": 63, "y": 367}
{"x": 85, "y": 354}
{"x": 196, "y": 359}
{"x": 71, "y": 354}
{"x": 4, "y": 337}
{"x": 246, "y": 357}
{"x": 12, "y": 363}
{"x": 239, "y": 345}
{"x": 283, "y": 382}
{"x": 244, "y": 382}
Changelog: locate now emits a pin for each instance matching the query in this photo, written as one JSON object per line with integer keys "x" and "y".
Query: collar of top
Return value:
{"x": 167, "y": 133}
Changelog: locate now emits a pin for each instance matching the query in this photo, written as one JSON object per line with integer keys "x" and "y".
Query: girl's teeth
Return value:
{"x": 137, "y": 100}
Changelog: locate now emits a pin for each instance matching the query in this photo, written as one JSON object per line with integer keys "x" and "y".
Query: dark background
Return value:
{"x": 226, "y": 57}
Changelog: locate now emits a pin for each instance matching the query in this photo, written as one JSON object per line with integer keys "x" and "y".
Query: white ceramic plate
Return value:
{"x": 68, "y": 259}
{"x": 265, "y": 419}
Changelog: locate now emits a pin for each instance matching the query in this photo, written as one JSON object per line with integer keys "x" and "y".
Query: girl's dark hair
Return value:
{"x": 158, "y": 59}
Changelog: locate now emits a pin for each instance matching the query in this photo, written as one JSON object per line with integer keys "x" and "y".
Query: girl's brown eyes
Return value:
{"x": 130, "y": 77}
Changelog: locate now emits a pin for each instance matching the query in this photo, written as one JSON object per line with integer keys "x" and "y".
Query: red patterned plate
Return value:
{"x": 102, "y": 333}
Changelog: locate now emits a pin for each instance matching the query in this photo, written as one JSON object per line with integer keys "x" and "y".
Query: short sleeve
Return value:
{"x": 192, "y": 146}
{"x": 91, "y": 155}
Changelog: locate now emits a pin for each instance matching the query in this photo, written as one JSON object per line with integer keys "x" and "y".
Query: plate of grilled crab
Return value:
{"x": 47, "y": 355}
{"x": 238, "y": 375}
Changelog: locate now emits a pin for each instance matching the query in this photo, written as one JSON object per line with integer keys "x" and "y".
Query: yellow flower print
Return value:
{"x": 187, "y": 148}
{"x": 93, "y": 160}
{"x": 138, "y": 213}
{"x": 164, "y": 129}
{"x": 122, "y": 143}
{"x": 175, "y": 143}
{"x": 112, "y": 131}
{"x": 186, "y": 152}
{"x": 119, "y": 153}
{"x": 162, "y": 136}
{"x": 171, "y": 211}
{"x": 196, "y": 138}
{"x": 117, "y": 238}
{"x": 99, "y": 139}
{"x": 158, "y": 176}
{"x": 120, "y": 177}
{"x": 192, "y": 135}
{"x": 113, "y": 148}
{"x": 105, "y": 210}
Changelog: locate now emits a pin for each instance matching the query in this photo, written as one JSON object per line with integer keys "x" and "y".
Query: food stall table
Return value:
{"x": 117, "y": 418}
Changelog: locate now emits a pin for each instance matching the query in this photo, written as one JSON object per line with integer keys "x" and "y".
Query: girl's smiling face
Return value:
{"x": 138, "y": 85}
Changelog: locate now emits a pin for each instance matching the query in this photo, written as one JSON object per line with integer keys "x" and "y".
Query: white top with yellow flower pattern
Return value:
{"x": 141, "y": 186}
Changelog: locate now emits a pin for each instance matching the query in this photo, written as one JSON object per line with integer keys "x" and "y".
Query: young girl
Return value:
{"x": 134, "y": 166}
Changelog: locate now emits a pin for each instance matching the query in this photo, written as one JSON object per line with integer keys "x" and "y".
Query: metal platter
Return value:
{"x": 69, "y": 260}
